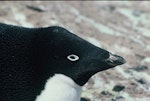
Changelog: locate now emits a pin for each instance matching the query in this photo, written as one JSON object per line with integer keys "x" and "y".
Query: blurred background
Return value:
{"x": 122, "y": 27}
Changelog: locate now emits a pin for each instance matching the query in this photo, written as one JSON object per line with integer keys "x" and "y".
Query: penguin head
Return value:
{"x": 62, "y": 52}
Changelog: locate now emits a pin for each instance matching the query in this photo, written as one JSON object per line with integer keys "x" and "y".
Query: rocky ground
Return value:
{"x": 122, "y": 27}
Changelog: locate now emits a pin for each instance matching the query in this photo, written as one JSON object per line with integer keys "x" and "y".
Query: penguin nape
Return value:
{"x": 47, "y": 64}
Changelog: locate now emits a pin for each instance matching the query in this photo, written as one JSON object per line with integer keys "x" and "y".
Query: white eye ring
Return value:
{"x": 72, "y": 57}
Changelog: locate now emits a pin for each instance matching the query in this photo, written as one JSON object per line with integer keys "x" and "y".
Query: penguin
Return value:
{"x": 48, "y": 63}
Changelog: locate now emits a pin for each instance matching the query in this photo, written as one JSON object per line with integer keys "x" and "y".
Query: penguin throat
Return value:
{"x": 60, "y": 88}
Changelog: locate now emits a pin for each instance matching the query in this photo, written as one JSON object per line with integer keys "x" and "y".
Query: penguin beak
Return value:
{"x": 115, "y": 60}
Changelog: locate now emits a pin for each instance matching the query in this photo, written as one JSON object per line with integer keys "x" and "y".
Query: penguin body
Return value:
{"x": 36, "y": 61}
{"x": 60, "y": 88}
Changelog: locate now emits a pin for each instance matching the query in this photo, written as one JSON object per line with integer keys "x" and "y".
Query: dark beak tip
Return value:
{"x": 115, "y": 60}
{"x": 119, "y": 59}
{"x": 120, "y": 62}
{"x": 123, "y": 61}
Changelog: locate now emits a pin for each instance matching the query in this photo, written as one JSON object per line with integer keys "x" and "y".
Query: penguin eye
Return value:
{"x": 72, "y": 57}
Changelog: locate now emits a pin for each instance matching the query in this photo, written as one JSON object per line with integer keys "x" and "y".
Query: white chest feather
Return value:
{"x": 60, "y": 88}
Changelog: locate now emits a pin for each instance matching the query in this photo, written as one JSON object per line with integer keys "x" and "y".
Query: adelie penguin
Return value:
{"x": 47, "y": 64}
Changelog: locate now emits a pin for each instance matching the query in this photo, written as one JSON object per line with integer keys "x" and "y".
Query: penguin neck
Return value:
{"x": 60, "y": 88}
